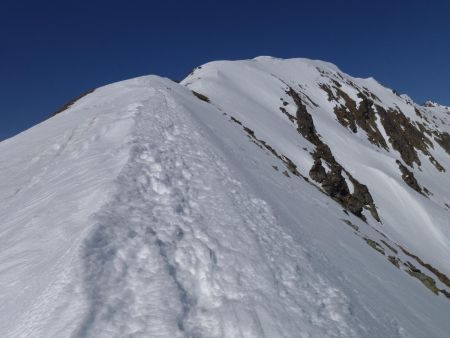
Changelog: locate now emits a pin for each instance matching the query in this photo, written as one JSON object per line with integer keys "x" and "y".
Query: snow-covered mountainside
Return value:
{"x": 256, "y": 198}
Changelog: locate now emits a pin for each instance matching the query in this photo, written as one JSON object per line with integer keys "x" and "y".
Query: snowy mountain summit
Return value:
{"x": 256, "y": 198}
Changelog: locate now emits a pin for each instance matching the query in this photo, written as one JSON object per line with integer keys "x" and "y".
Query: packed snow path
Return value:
{"x": 183, "y": 251}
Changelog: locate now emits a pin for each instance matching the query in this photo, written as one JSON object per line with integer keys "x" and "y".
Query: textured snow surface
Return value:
{"x": 142, "y": 211}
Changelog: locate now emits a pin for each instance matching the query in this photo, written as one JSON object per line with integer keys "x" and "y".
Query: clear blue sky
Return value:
{"x": 51, "y": 51}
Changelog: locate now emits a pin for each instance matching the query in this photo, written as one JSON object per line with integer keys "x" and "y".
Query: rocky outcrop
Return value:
{"x": 352, "y": 116}
{"x": 444, "y": 141}
{"x": 404, "y": 136}
{"x": 426, "y": 280}
{"x": 409, "y": 178}
{"x": 407, "y": 137}
{"x": 424, "y": 276}
{"x": 333, "y": 181}
{"x": 441, "y": 276}
{"x": 201, "y": 96}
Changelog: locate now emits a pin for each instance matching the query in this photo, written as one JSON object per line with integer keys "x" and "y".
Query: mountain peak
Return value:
{"x": 431, "y": 104}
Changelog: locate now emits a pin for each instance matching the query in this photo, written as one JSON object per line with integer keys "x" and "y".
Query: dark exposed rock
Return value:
{"x": 423, "y": 129}
{"x": 408, "y": 267}
{"x": 289, "y": 116}
{"x": 305, "y": 124}
{"x": 309, "y": 99}
{"x": 445, "y": 293}
{"x": 444, "y": 141}
{"x": 333, "y": 182}
{"x": 317, "y": 172}
{"x": 436, "y": 164}
{"x": 421, "y": 115}
{"x": 390, "y": 247}
{"x": 249, "y": 131}
{"x": 201, "y": 96}
{"x": 409, "y": 178}
{"x": 235, "y": 120}
{"x": 394, "y": 260}
{"x": 361, "y": 198}
{"x": 71, "y": 103}
{"x": 407, "y": 137}
{"x": 350, "y": 224}
{"x": 375, "y": 245}
{"x": 352, "y": 116}
{"x": 404, "y": 136}
{"x": 290, "y": 165}
{"x": 429, "y": 282}
{"x": 335, "y": 186}
{"x": 441, "y": 276}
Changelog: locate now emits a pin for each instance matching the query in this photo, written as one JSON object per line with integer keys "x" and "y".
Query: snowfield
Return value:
{"x": 150, "y": 210}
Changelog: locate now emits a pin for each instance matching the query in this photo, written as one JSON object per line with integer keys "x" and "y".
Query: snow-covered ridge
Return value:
{"x": 432, "y": 104}
{"x": 335, "y": 101}
{"x": 258, "y": 198}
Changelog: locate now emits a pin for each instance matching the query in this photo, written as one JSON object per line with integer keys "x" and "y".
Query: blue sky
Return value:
{"x": 51, "y": 51}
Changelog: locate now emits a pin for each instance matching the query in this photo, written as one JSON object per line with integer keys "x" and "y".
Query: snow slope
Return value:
{"x": 251, "y": 90}
{"x": 145, "y": 211}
